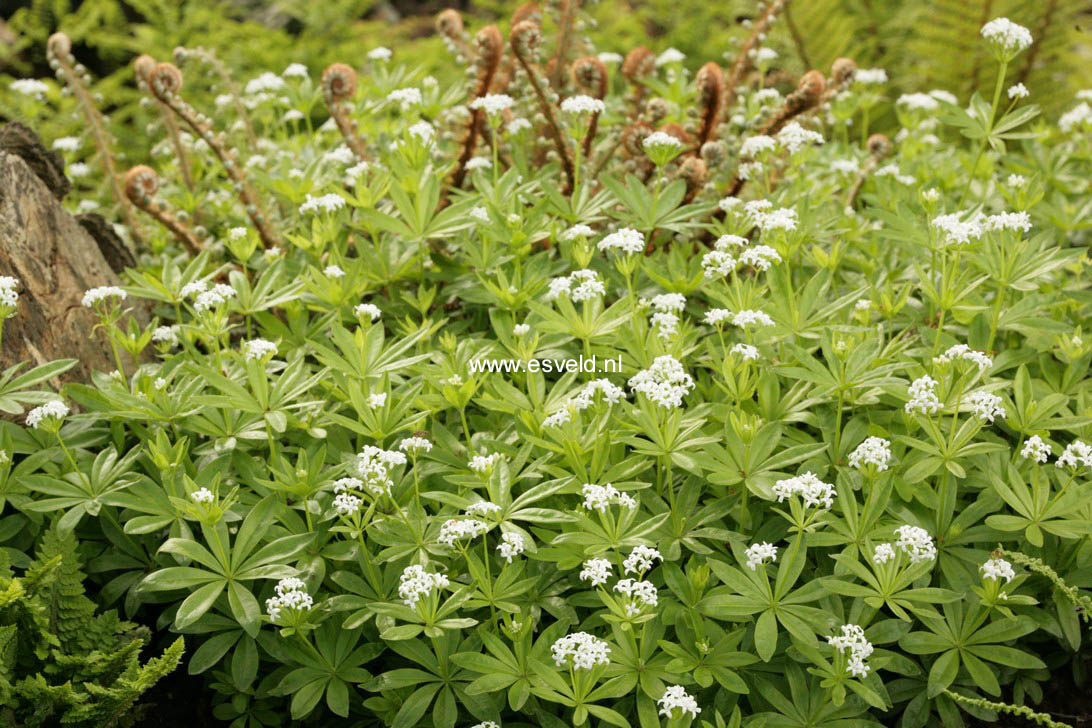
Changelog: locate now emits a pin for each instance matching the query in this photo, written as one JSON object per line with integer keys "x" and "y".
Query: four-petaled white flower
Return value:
{"x": 597, "y": 571}
{"x": 997, "y": 569}
{"x": 641, "y": 559}
{"x": 676, "y": 698}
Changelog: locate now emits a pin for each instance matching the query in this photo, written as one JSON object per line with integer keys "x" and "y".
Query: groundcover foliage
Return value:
{"x": 839, "y": 478}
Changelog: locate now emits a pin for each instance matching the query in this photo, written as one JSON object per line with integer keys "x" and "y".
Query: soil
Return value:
{"x": 179, "y": 700}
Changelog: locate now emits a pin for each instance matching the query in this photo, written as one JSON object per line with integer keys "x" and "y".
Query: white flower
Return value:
{"x": 746, "y": 351}
{"x": 873, "y": 451}
{"x": 583, "y": 105}
{"x": 413, "y": 444}
{"x": 480, "y": 214}
{"x": 515, "y": 126}
{"x": 815, "y": 492}
{"x": 259, "y": 348}
{"x": 333, "y": 271}
{"x": 268, "y": 81}
{"x": 165, "y": 335}
{"x": 1079, "y": 116}
{"x": 639, "y": 594}
{"x": 406, "y": 98}
{"x": 671, "y": 55}
{"x": 482, "y": 463}
{"x": 661, "y": 140}
{"x": 958, "y": 232}
{"x": 641, "y": 560}
{"x": 326, "y": 203}
{"x": 666, "y": 324}
{"x": 521, "y": 329}
{"x": 743, "y": 319}
{"x": 917, "y": 102}
{"x": 218, "y": 294}
{"x": 626, "y": 240}
{"x": 54, "y": 409}
{"x": 669, "y": 302}
{"x": 676, "y": 697}
{"x": 290, "y": 595}
{"x": 236, "y": 233}
{"x": 986, "y": 406}
{"x": 577, "y": 231}
{"x": 1018, "y": 91}
{"x": 295, "y": 70}
{"x": 945, "y": 96}
{"x": 511, "y": 546}
{"x": 29, "y": 87}
{"x": 1016, "y": 180}
{"x": 1076, "y": 453}
{"x": 760, "y": 257}
{"x": 965, "y": 353}
{"x": 1007, "y": 36}
{"x": 666, "y": 382}
{"x": 845, "y": 166}
{"x": 931, "y": 195}
{"x": 102, "y": 293}
{"x": 377, "y": 400}
{"x": 870, "y": 75}
{"x": 352, "y": 174}
{"x": 601, "y": 497}
{"x": 853, "y": 640}
{"x": 759, "y": 553}
{"x": 883, "y": 553}
{"x": 367, "y": 309}
{"x": 717, "y": 263}
{"x": 923, "y": 396}
{"x": 478, "y": 163}
{"x": 415, "y": 583}
{"x": 783, "y": 218}
{"x": 863, "y": 305}
{"x": 916, "y": 543}
{"x": 765, "y": 55}
{"x": 755, "y": 145}
{"x": 794, "y": 137}
{"x": 423, "y": 131}
{"x": 581, "y": 285}
{"x": 341, "y": 155}
{"x": 482, "y": 508}
{"x": 597, "y": 571}
{"x": 729, "y": 203}
{"x": 1017, "y": 221}
{"x": 997, "y": 569}
{"x": 1035, "y": 449}
{"x": 204, "y": 495}
{"x": 486, "y": 724}
{"x": 456, "y": 529}
{"x": 581, "y": 651}
{"x": 379, "y": 54}
{"x": 346, "y": 504}
{"x": 374, "y": 464}
{"x": 67, "y": 144}
{"x": 609, "y": 57}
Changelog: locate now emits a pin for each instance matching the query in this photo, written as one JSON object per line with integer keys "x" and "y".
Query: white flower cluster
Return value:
{"x": 746, "y": 351}
{"x": 456, "y": 529}
{"x": 675, "y": 697}
{"x": 367, "y": 309}
{"x": 852, "y": 640}
{"x": 956, "y": 230}
{"x": 1015, "y": 221}
{"x": 583, "y": 104}
{"x": 423, "y": 132}
{"x": 759, "y": 553}
{"x": 326, "y": 203}
{"x": 219, "y": 294}
{"x": 29, "y": 87}
{"x": 102, "y": 293}
{"x": 814, "y": 491}
{"x": 379, "y": 54}
{"x": 406, "y": 98}
{"x": 997, "y": 569}
{"x": 54, "y": 409}
{"x": 482, "y": 463}
{"x": 346, "y": 504}
{"x": 964, "y": 352}
{"x": 760, "y": 257}
{"x": 1079, "y": 117}
{"x": 1018, "y": 91}
{"x": 482, "y": 508}
{"x": 374, "y": 465}
{"x": 9, "y": 296}
{"x": 415, "y": 583}
{"x": 665, "y": 382}
{"x": 597, "y": 571}
{"x": 916, "y": 543}
{"x": 333, "y": 271}
{"x": 601, "y": 497}
{"x": 1035, "y": 449}
{"x": 641, "y": 559}
{"x": 581, "y": 651}
{"x": 666, "y": 317}
{"x": 581, "y": 285}
{"x": 639, "y": 594}
{"x": 923, "y": 396}
{"x": 883, "y": 553}
{"x": 794, "y": 137}
{"x": 577, "y": 231}
{"x": 986, "y": 406}
{"x": 612, "y": 394}
{"x": 414, "y": 444}
{"x": 870, "y": 75}
{"x": 377, "y": 400}
{"x": 511, "y": 546}
{"x": 1007, "y": 35}
{"x": 671, "y": 55}
{"x": 661, "y": 140}
{"x": 718, "y": 263}
{"x": 755, "y": 145}
{"x": 67, "y": 144}
{"x": 492, "y": 104}
{"x": 873, "y": 451}
{"x": 478, "y": 163}
{"x": 781, "y": 218}
{"x": 746, "y": 318}
{"x": 202, "y": 495}
{"x": 290, "y": 595}
{"x": 259, "y": 348}
{"x": 1076, "y": 454}
{"x": 917, "y": 102}
{"x": 266, "y": 82}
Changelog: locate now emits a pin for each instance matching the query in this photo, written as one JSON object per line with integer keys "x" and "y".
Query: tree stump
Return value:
{"x": 55, "y": 260}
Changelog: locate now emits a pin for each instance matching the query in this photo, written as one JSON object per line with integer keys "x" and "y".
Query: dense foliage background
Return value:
{"x": 840, "y": 479}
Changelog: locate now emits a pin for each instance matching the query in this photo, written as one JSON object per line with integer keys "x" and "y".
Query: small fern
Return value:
{"x": 1021, "y": 710}
{"x": 59, "y": 662}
